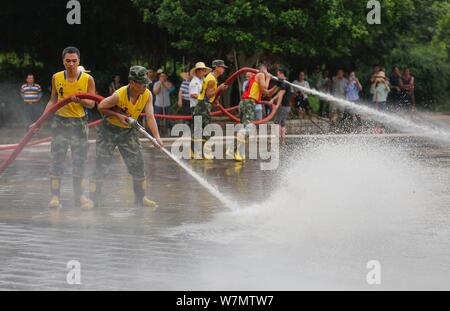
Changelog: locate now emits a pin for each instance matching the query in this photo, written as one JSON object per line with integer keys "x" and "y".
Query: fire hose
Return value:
{"x": 35, "y": 128}
{"x": 222, "y": 110}
{"x": 180, "y": 163}
{"x": 98, "y": 122}
{"x": 17, "y": 149}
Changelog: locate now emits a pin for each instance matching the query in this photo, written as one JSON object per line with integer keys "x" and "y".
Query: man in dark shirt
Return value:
{"x": 395, "y": 81}
{"x": 283, "y": 100}
{"x": 151, "y": 74}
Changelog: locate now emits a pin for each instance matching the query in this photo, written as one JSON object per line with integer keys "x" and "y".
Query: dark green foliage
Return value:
{"x": 298, "y": 34}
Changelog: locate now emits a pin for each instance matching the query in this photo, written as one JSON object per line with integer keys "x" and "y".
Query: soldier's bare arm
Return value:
{"x": 106, "y": 108}
{"x": 87, "y": 102}
{"x": 210, "y": 90}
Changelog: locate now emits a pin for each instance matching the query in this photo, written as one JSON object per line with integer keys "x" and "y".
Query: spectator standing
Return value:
{"x": 380, "y": 90}
{"x": 375, "y": 70}
{"x": 352, "y": 94}
{"x": 153, "y": 78}
{"x": 324, "y": 86}
{"x": 338, "y": 90}
{"x": 301, "y": 98}
{"x": 162, "y": 89}
{"x": 31, "y": 95}
{"x": 396, "y": 85}
{"x": 283, "y": 101}
{"x": 315, "y": 76}
{"x": 115, "y": 84}
{"x": 183, "y": 95}
{"x": 408, "y": 84}
{"x": 198, "y": 74}
{"x": 208, "y": 96}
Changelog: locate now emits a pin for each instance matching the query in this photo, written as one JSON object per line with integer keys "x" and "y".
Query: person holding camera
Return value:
{"x": 301, "y": 98}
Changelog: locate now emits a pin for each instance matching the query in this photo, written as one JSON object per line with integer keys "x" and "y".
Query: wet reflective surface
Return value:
{"x": 315, "y": 223}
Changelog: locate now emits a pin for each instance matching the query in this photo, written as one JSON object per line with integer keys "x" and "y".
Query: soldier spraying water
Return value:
{"x": 116, "y": 131}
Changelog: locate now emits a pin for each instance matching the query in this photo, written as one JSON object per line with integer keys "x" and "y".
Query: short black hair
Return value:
{"x": 283, "y": 71}
{"x": 71, "y": 50}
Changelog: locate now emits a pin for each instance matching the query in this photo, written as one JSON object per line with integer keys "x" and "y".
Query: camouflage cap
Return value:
{"x": 139, "y": 75}
{"x": 219, "y": 63}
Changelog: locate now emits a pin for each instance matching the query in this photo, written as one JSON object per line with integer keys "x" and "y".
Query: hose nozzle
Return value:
{"x": 132, "y": 122}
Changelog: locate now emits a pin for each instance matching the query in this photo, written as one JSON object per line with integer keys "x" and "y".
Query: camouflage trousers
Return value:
{"x": 203, "y": 109}
{"x": 127, "y": 141}
{"x": 247, "y": 114}
{"x": 73, "y": 133}
{"x": 247, "y": 109}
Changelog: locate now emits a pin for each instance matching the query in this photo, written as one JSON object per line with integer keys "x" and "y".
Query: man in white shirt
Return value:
{"x": 338, "y": 87}
{"x": 301, "y": 98}
{"x": 198, "y": 74}
{"x": 195, "y": 86}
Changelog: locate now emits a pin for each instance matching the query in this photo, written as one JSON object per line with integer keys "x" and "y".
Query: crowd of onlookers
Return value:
{"x": 382, "y": 92}
{"x": 387, "y": 92}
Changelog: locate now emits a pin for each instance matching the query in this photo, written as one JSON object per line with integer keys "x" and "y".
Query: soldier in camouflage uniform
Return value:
{"x": 195, "y": 89}
{"x": 206, "y": 98}
{"x": 258, "y": 85}
{"x": 115, "y": 131}
{"x": 247, "y": 110}
{"x": 73, "y": 133}
{"x": 203, "y": 111}
{"x": 69, "y": 127}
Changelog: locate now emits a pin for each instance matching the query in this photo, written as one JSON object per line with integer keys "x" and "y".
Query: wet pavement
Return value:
{"x": 311, "y": 224}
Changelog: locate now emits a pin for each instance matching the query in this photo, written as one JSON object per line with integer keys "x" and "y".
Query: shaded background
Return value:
{"x": 299, "y": 35}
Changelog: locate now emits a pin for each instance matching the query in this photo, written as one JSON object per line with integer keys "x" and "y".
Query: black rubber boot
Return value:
{"x": 140, "y": 200}
{"x": 139, "y": 191}
{"x": 77, "y": 190}
{"x": 95, "y": 191}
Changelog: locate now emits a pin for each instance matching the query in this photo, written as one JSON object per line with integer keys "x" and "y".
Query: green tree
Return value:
{"x": 303, "y": 34}
{"x": 277, "y": 29}
{"x": 442, "y": 35}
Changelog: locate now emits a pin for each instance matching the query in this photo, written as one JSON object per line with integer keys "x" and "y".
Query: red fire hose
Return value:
{"x": 38, "y": 125}
{"x": 228, "y": 82}
{"x": 26, "y": 140}
{"x": 98, "y": 122}
{"x": 216, "y": 113}
{"x": 43, "y": 140}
